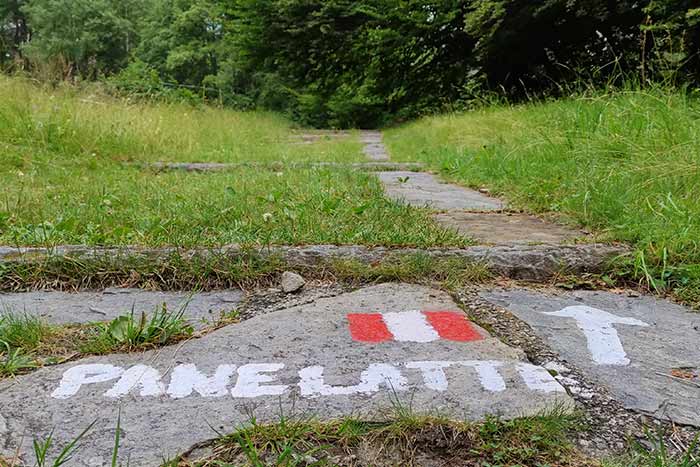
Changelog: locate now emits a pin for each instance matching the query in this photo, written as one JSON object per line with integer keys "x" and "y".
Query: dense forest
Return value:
{"x": 345, "y": 63}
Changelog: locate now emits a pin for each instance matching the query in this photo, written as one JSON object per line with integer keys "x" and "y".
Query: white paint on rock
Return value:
{"x": 410, "y": 326}
{"x": 597, "y": 325}
{"x": 250, "y": 378}
{"x": 253, "y": 379}
{"x": 186, "y": 379}
{"x": 74, "y": 378}
{"x": 138, "y": 376}
{"x": 538, "y": 379}
{"x": 434, "y": 373}
{"x": 312, "y": 382}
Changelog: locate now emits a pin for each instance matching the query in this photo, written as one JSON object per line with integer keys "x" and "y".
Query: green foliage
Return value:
{"x": 140, "y": 80}
{"x": 42, "y": 447}
{"x": 345, "y": 63}
{"x": 181, "y": 39}
{"x": 14, "y": 360}
{"x": 406, "y": 438}
{"x": 130, "y": 332}
{"x": 655, "y": 452}
{"x": 86, "y": 37}
{"x": 14, "y": 31}
{"x": 22, "y": 330}
{"x": 19, "y": 334}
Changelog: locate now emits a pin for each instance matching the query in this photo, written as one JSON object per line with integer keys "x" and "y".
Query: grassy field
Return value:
{"x": 625, "y": 164}
{"x": 40, "y": 123}
{"x": 63, "y": 179}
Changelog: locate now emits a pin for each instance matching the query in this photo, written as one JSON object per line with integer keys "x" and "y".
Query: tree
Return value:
{"x": 14, "y": 30}
{"x": 92, "y": 36}
{"x": 182, "y": 39}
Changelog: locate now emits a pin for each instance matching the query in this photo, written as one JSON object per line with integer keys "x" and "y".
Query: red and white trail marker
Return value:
{"x": 412, "y": 326}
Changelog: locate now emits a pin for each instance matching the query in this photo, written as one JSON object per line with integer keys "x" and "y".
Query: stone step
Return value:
{"x": 278, "y": 165}
{"x": 356, "y": 354}
{"x": 530, "y": 262}
{"x": 373, "y": 147}
{"x": 199, "y": 308}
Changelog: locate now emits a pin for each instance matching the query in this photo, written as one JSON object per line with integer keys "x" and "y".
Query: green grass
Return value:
{"x": 658, "y": 451}
{"x": 20, "y": 335}
{"x": 22, "y": 330}
{"x": 102, "y": 203}
{"x": 220, "y": 271}
{"x": 623, "y": 164}
{"x": 405, "y": 439}
{"x": 131, "y": 332}
{"x": 27, "y": 342}
{"x": 63, "y": 179}
{"x": 39, "y": 123}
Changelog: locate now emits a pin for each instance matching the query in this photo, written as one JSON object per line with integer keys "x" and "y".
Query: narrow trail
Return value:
{"x": 472, "y": 213}
{"x": 334, "y": 350}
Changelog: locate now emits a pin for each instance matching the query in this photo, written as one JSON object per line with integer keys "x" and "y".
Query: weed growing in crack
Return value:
{"x": 22, "y": 330}
{"x": 14, "y": 360}
{"x": 43, "y": 447}
{"x": 19, "y": 335}
{"x": 655, "y": 451}
{"x": 129, "y": 332}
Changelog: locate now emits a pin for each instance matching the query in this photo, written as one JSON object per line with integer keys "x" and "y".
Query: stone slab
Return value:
{"x": 318, "y": 135}
{"x": 373, "y": 148}
{"x": 425, "y": 190}
{"x": 370, "y": 136}
{"x": 507, "y": 228}
{"x": 279, "y": 165}
{"x": 531, "y": 262}
{"x": 647, "y": 354}
{"x": 359, "y": 353}
{"x": 85, "y": 307}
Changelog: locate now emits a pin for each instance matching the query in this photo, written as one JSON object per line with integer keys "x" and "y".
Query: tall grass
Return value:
{"x": 40, "y": 122}
{"x": 625, "y": 164}
{"x": 63, "y": 178}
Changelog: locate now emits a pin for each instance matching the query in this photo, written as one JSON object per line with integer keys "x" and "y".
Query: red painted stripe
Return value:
{"x": 368, "y": 327}
{"x": 453, "y": 326}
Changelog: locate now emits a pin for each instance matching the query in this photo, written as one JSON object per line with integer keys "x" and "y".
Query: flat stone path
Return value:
{"x": 469, "y": 212}
{"x": 644, "y": 350}
{"x": 310, "y": 137}
{"x": 359, "y": 353}
{"x": 373, "y": 147}
{"x": 425, "y": 190}
{"x": 507, "y": 228}
{"x": 200, "y": 308}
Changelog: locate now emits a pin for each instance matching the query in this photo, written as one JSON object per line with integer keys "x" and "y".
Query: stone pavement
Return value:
{"x": 359, "y": 353}
{"x": 199, "y": 308}
{"x": 645, "y": 350}
{"x": 470, "y": 212}
{"x": 424, "y": 190}
{"x": 374, "y": 148}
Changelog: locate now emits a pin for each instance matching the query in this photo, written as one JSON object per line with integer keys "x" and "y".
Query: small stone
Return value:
{"x": 292, "y": 282}
{"x": 557, "y": 367}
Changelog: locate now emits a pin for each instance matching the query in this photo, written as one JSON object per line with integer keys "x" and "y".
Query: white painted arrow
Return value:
{"x": 597, "y": 325}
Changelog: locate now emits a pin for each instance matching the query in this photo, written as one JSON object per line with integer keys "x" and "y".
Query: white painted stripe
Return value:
{"x": 490, "y": 378}
{"x": 538, "y": 379}
{"x": 410, "y": 326}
